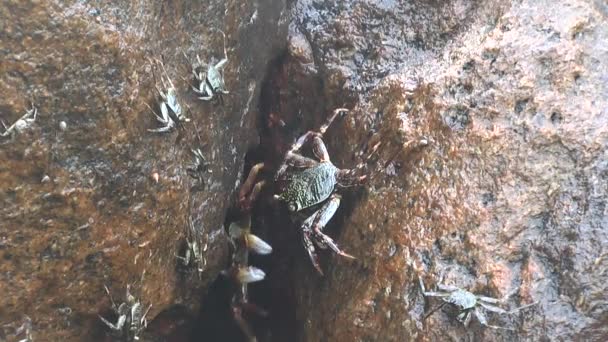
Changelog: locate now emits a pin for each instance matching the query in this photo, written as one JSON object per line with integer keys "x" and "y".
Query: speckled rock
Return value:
{"x": 508, "y": 198}
{"x": 89, "y": 197}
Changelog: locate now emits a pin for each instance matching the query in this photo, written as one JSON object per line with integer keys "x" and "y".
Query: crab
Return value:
{"x": 25, "y": 121}
{"x": 309, "y": 186}
{"x": 193, "y": 256}
{"x": 469, "y": 304}
{"x": 243, "y": 242}
{"x": 170, "y": 109}
{"x": 211, "y": 82}
{"x": 198, "y": 166}
{"x": 131, "y": 317}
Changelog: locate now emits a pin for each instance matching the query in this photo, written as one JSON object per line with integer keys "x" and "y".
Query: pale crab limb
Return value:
{"x": 467, "y": 317}
{"x": 114, "y": 307}
{"x": 24, "y": 119}
{"x": 119, "y": 324}
{"x": 503, "y": 311}
{"x": 206, "y": 90}
{"x": 448, "y": 288}
{"x": 304, "y": 138}
{"x": 253, "y": 243}
{"x": 484, "y": 321}
{"x": 431, "y": 294}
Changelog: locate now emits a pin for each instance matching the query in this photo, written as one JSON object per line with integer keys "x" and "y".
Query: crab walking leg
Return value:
{"x": 503, "y": 311}
{"x": 484, "y": 321}
{"x": 298, "y": 161}
{"x": 248, "y": 185}
{"x": 310, "y": 248}
{"x": 431, "y": 294}
{"x": 304, "y": 138}
{"x": 322, "y": 218}
{"x": 319, "y": 149}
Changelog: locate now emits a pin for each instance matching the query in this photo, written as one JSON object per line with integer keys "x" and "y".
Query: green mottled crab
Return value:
{"x": 309, "y": 184}
{"x": 468, "y": 304}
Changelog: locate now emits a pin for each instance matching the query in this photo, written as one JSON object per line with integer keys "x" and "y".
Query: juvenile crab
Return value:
{"x": 311, "y": 184}
{"x": 211, "y": 82}
{"x": 131, "y": 317}
{"x": 469, "y": 304}
{"x": 198, "y": 166}
{"x": 193, "y": 256}
{"x": 25, "y": 121}
{"x": 170, "y": 109}
{"x": 243, "y": 241}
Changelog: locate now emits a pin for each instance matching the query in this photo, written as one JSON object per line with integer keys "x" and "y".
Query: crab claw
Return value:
{"x": 257, "y": 245}
{"x": 240, "y": 230}
{"x": 250, "y": 274}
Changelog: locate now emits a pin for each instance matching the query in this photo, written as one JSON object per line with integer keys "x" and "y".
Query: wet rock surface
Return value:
{"x": 89, "y": 197}
{"x": 509, "y": 198}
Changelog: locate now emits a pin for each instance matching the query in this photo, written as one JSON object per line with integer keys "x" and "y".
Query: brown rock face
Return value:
{"x": 508, "y": 198}
{"x": 89, "y": 197}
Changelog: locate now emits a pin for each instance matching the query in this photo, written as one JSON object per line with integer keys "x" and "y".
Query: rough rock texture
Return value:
{"x": 510, "y": 196}
{"x": 80, "y": 207}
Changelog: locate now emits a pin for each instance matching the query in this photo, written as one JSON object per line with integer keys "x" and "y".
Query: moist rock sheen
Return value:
{"x": 100, "y": 217}
{"x": 509, "y": 195}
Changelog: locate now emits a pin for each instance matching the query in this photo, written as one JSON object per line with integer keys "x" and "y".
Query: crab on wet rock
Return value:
{"x": 131, "y": 317}
{"x": 469, "y": 304}
{"x": 309, "y": 187}
{"x": 210, "y": 83}
{"x": 170, "y": 108}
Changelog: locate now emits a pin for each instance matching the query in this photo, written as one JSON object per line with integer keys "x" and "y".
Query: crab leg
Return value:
{"x": 484, "y": 321}
{"x": 503, "y": 311}
{"x": 434, "y": 310}
{"x": 319, "y": 149}
{"x": 249, "y": 183}
{"x": 296, "y": 160}
{"x": 304, "y": 138}
{"x": 313, "y": 228}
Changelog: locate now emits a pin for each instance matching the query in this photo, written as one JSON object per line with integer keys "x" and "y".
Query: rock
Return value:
{"x": 508, "y": 197}
{"x": 116, "y": 203}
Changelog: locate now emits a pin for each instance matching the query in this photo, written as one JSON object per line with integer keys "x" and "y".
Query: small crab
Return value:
{"x": 170, "y": 109}
{"x": 193, "y": 256}
{"x": 131, "y": 317}
{"x": 211, "y": 82}
{"x": 198, "y": 166}
{"x": 243, "y": 241}
{"x": 469, "y": 304}
{"x": 24, "y": 122}
{"x": 310, "y": 185}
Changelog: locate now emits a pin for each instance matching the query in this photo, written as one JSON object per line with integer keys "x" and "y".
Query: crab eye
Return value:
{"x": 292, "y": 207}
